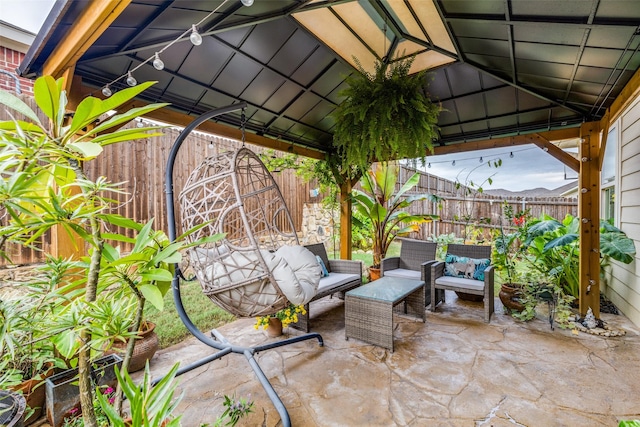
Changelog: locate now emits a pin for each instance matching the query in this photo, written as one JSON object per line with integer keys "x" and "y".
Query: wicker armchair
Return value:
{"x": 414, "y": 262}
{"x": 440, "y": 282}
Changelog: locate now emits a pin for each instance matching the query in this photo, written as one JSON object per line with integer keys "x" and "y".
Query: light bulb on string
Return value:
{"x": 195, "y": 36}
{"x": 429, "y": 166}
{"x": 511, "y": 154}
{"x": 157, "y": 63}
{"x": 480, "y": 159}
{"x": 106, "y": 91}
{"x": 453, "y": 163}
{"x": 246, "y": 2}
{"x": 131, "y": 81}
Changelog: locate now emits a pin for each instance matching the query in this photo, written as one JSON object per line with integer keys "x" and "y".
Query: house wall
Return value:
{"x": 622, "y": 284}
{"x": 14, "y": 42}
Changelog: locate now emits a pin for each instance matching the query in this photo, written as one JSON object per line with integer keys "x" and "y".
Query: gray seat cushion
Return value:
{"x": 404, "y": 273}
{"x": 335, "y": 280}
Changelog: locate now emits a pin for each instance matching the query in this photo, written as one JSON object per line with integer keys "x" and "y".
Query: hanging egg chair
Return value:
{"x": 233, "y": 193}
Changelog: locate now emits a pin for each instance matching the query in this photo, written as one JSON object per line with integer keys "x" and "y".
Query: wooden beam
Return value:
{"x": 557, "y": 153}
{"x": 509, "y": 141}
{"x": 176, "y": 118}
{"x": 345, "y": 220}
{"x": 589, "y": 213}
{"x": 168, "y": 116}
{"x": 90, "y": 25}
{"x": 629, "y": 93}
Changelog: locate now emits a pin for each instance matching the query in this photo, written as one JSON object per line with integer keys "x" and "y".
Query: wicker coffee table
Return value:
{"x": 368, "y": 310}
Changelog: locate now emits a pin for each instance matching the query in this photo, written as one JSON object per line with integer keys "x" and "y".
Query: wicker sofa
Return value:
{"x": 344, "y": 275}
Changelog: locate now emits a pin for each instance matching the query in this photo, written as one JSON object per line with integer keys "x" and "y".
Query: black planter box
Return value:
{"x": 62, "y": 393}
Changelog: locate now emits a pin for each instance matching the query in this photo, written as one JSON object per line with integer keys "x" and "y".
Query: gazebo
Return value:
{"x": 506, "y": 72}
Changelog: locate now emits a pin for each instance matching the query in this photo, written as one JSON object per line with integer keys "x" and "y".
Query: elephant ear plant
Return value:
{"x": 43, "y": 186}
{"x": 555, "y": 247}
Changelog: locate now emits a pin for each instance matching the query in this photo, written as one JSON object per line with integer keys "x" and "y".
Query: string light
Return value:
{"x": 481, "y": 159}
{"x": 191, "y": 33}
{"x": 157, "y": 63}
{"x": 429, "y": 165}
{"x": 195, "y": 36}
{"x": 131, "y": 81}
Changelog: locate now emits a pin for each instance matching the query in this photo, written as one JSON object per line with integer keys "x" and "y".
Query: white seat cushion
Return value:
{"x": 404, "y": 273}
{"x": 458, "y": 282}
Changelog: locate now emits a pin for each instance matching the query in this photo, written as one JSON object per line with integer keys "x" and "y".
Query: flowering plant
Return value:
{"x": 509, "y": 247}
{"x": 286, "y": 315}
{"x": 74, "y": 416}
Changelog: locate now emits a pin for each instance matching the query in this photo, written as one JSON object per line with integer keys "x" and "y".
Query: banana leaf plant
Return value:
{"x": 384, "y": 207}
{"x": 555, "y": 247}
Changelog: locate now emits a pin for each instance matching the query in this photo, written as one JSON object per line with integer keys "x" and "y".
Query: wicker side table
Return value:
{"x": 368, "y": 310}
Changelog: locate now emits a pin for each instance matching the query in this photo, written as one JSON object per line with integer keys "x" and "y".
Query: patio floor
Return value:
{"x": 453, "y": 370}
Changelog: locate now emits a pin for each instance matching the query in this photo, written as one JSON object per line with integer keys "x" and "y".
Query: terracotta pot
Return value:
{"x": 33, "y": 392}
{"x": 144, "y": 349}
{"x": 510, "y": 297}
{"x": 374, "y": 274}
{"x": 275, "y": 327}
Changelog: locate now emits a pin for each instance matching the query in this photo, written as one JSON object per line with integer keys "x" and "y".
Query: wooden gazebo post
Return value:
{"x": 589, "y": 213}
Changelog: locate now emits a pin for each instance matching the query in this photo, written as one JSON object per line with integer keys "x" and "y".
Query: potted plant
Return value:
{"x": 379, "y": 202}
{"x": 46, "y": 187}
{"x": 27, "y": 355}
{"x": 385, "y": 115}
{"x": 508, "y": 250}
{"x": 274, "y": 323}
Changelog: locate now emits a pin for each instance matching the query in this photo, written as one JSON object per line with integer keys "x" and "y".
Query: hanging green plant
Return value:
{"x": 386, "y": 115}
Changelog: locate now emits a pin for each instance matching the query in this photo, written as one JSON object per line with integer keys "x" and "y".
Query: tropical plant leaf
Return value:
{"x": 618, "y": 246}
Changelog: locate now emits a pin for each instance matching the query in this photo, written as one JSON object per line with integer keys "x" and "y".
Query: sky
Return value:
{"x": 26, "y": 14}
{"x": 530, "y": 167}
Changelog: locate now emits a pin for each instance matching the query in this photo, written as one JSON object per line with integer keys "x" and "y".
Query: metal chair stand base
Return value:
{"x": 224, "y": 347}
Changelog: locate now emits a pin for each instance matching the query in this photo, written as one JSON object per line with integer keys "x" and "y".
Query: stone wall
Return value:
{"x": 317, "y": 224}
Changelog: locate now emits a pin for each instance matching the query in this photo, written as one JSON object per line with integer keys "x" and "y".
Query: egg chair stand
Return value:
{"x": 216, "y": 340}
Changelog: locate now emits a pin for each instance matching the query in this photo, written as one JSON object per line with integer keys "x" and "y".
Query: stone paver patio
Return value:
{"x": 453, "y": 370}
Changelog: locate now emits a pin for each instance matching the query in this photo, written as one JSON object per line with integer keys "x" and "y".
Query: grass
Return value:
{"x": 202, "y": 311}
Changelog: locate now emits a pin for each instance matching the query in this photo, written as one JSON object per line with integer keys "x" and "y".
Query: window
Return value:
{"x": 608, "y": 175}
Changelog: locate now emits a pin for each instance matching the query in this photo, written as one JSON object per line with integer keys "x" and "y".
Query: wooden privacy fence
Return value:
{"x": 140, "y": 165}
{"x": 460, "y": 212}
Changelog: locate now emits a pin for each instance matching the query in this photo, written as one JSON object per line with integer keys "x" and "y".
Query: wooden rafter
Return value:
{"x": 93, "y": 21}
{"x": 556, "y": 152}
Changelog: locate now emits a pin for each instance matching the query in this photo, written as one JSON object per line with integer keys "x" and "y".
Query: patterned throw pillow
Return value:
{"x": 325, "y": 272}
{"x": 464, "y": 267}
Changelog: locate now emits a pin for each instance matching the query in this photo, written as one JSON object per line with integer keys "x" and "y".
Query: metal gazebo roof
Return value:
{"x": 499, "y": 67}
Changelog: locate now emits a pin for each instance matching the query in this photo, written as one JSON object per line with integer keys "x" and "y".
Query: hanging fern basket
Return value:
{"x": 385, "y": 115}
